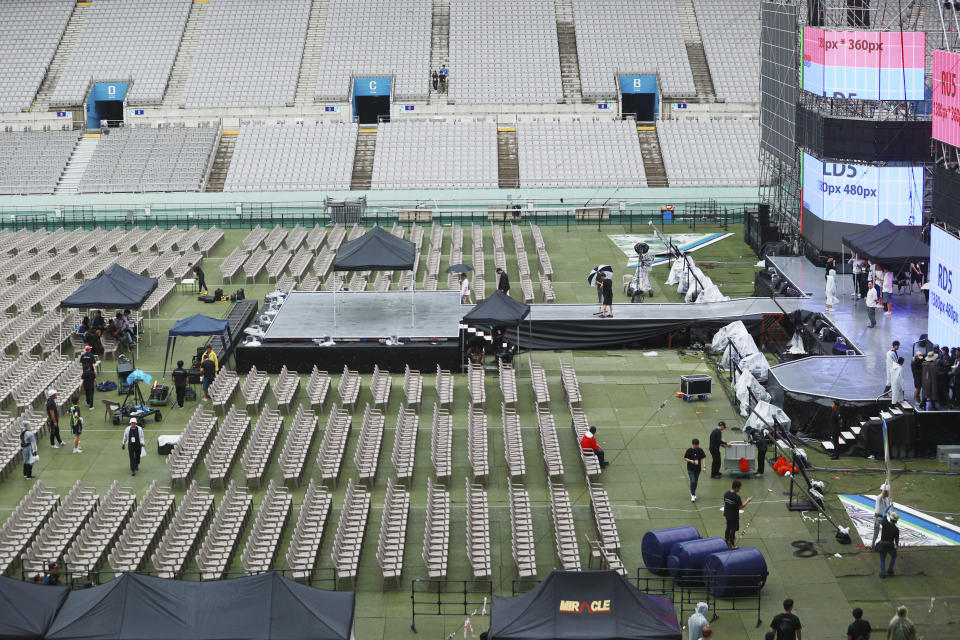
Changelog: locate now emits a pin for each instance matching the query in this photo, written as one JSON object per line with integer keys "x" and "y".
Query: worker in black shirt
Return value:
{"x": 732, "y": 503}
{"x": 209, "y": 367}
{"x": 503, "y": 284}
{"x": 859, "y": 629}
{"x": 716, "y": 441}
{"x": 696, "y": 462}
{"x": 836, "y": 426}
{"x": 87, "y": 360}
{"x": 605, "y": 285}
{"x": 89, "y": 379}
{"x": 180, "y": 383}
{"x": 53, "y": 419}
{"x": 201, "y": 280}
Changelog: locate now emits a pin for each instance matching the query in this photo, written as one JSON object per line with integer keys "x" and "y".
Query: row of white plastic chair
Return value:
{"x": 60, "y": 530}
{"x": 260, "y": 552}
{"x": 226, "y": 445}
{"x": 216, "y": 553}
{"x": 512, "y": 442}
{"x": 223, "y": 388}
{"x": 90, "y": 546}
{"x": 441, "y": 443}
{"x": 565, "y": 534}
{"x": 304, "y": 548}
{"x": 303, "y": 430}
{"x": 477, "y": 450}
{"x": 194, "y": 440}
{"x": 521, "y": 527}
{"x": 350, "y": 531}
{"x": 143, "y": 530}
{"x": 254, "y": 388}
{"x": 549, "y": 443}
{"x": 318, "y": 388}
{"x": 349, "y": 388}
{"x": 367, "y": 455}
{"x": 475, "y": 385}
{"x": 393, "y": 533}
{"x": 508, "y": 383}
{"x": 261, "y": 446}
{"x": 405, "y": 444}
{"x": 333, "y": 445}
{"x": 436, "y": 533}
{"x": 478, "y": 531}
{"x": 25, "y": 520}
{"x": 285, "y": 388}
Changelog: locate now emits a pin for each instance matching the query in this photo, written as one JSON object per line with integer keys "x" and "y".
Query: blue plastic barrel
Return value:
{"x": 735, "y": 573}
{"x": 656, "y": 545}
{"x": 685, "y": 560}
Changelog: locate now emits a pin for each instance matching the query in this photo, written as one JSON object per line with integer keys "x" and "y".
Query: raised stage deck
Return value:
{"x": 355, "y": 315}
{"x": 859, "y": 378}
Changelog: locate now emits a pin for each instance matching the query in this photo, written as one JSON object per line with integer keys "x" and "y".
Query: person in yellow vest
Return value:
{"x": 209, "y": 354}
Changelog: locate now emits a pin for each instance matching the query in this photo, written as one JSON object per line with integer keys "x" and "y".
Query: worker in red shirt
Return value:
{"x": 589, "y": 441}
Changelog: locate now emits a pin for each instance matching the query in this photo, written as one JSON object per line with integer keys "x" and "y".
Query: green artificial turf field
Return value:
{"x": 646, "y": 481}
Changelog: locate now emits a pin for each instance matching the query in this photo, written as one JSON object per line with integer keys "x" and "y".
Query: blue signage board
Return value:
{"x": 100, "y": 93}
{"x": 371, "y": 86}
{"x": 641, "y": 84}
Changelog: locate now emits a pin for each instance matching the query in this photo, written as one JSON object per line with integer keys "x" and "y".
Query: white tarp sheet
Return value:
{"x": 748, "y": 392}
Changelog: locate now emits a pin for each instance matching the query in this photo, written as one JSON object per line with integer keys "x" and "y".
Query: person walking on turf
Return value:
{"x": 589, "y": 441}
{"x": 889, "y": 541}
{"x": 901, "y": 627}
{"x": 732, "y": 503}
{"x": 53, "y": 419}
{"x": 503, "y": 284}
{"x": 787, "y": 625}
{"x": 76, "y": 423}
{"x": 697, "y": 622}
{"x": 28, "y": 449}
{"x": 881, "y": 505}
{"x": 859, "y": 629}
{"x": 209, "y": 367}
{"x": 133, "y": 440}
{"x": 201, "y": 278}
{"x": 180, "y": 383}
{"x": 88, "y": 377}
{"x": 872, "y": 305}
{"x": 696, "y": 461}
{"x": 716, "y": 441}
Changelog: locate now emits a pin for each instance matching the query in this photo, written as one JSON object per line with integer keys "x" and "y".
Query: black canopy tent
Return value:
{"x": 377, "y": 250}
{"x": 117, "y": 288}
{"x": 583, "y": 605}
{"x": 139, "y": 607}
{"x": 499, "y": 310}
{"x": 197, "y": 325}
{"x": 28, "y": 609}
{"x": 889, "y": 244}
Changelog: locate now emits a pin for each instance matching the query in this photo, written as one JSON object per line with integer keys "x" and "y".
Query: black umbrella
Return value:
{"x": 459, "y": 268}
{"x": 592, "y": 278}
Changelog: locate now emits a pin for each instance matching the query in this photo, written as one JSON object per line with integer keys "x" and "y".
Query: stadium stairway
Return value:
{"x": 440, "y": 42}
{"x": 363, "y": 158}
{"x": 62, "y": 56}
{"x": 310, "y": 64}
{"x": 702, "y": 79}
{"x": 652, "y": 156}
{"x": 508, "y": 163}
{"x": 569, "y": 61}
{"x": 185, "y": 55}
{"x": 77, "y": 164}
{"x": 221, "y": 163}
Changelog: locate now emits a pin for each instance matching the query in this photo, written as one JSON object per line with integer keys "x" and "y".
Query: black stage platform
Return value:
{"x": 428, "y": 326}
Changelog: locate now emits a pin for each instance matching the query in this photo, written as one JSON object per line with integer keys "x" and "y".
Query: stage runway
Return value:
{"x": 849, "y": 378}
{"x": 310, "y": 315}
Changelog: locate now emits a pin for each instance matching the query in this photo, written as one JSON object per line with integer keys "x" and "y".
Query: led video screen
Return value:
{"x": 943, "y": 324}
{"x": 946, "y": 98}
{"x": 862, "y": 194}
{"x": 865, "y": 65}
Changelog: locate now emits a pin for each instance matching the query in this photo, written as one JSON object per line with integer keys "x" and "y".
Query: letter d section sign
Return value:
{"x": 371, "y": 99}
